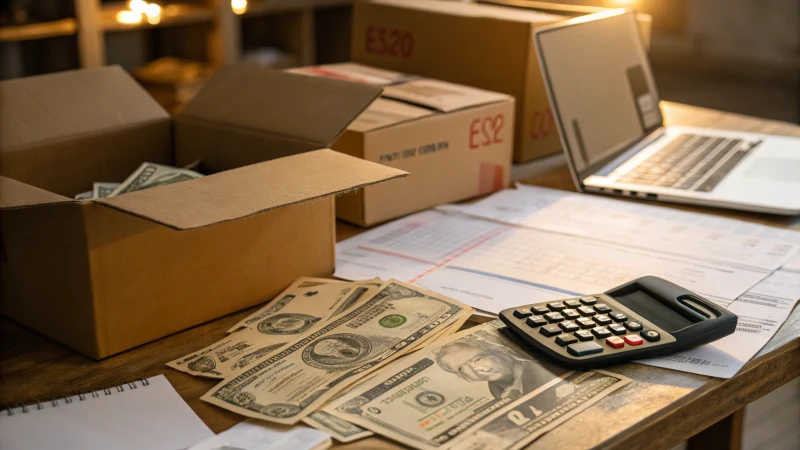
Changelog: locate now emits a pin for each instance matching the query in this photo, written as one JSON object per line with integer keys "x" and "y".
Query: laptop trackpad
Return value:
{"x": 776, "y": 169}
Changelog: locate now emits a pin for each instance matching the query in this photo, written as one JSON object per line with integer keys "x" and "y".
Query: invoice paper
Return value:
{"x": 505, "y": 251}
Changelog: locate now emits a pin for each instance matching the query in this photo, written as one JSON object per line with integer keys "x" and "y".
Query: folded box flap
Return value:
{"x": 307, "y": 109}
{"x": 441, "y": 95}
{"x": 384, "y": 112}
{"x": 15, "y": 194}
{"x": 249, "y": 190}
{"x": 355, "y": 72}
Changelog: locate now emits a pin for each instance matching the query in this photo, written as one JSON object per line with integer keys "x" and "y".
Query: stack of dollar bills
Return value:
{"x": 148, "y": 175}
{"x": 355, "y": 359}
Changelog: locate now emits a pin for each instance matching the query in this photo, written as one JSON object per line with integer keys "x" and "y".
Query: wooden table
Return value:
{"x": 659, "y": 409}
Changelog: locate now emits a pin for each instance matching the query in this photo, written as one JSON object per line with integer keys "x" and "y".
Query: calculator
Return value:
{"x": 644, "y": 318}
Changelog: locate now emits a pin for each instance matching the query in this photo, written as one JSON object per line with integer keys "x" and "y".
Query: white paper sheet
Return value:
{"x": 655, "y": 228}
{"x": 535, "y": 244}
{"x": 151, "y": 416}
{"x": 253, "y": 434}
{"x": 493, "y": 266}
{"x": 762, "y": 310}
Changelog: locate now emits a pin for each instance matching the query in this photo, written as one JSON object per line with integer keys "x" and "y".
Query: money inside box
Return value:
{"x": 167, "y": 248}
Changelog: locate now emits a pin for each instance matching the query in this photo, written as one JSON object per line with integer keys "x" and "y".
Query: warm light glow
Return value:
{"x": 239, "y": 6}
{"x": 153, "y": 12}
{"x": 129, "y": 17}
{"x": 619, "y": 3}
{"x": 138, "y": 6}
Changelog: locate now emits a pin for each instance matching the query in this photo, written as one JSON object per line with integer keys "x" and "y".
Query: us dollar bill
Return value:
{"x": 517, "y": 427}
{"x": 434, "y": 397}
{"x": 300, "y": 377}
{"x": 85, "y": 195}
{"x": 322, "y": 297}
{"x": 227, "y": 356}
{"x": 300, "y": 308}
{"x": 150, "y": 175}
{"x": 341, "y": 430}
{"x": 103, "y": 190}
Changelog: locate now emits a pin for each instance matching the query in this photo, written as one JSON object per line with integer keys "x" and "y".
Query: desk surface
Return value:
{"x": 660, "y": 408}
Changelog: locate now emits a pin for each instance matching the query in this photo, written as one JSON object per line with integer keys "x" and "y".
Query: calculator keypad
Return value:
{"x": 587, "y": 326}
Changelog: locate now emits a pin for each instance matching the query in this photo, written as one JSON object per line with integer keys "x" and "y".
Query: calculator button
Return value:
{"x": 540, "y": 309}
{"x": 601, "y": 332}
{"x": 584, "y": 335}
{"x": 602, "y": 319}
{"x": 556, "y": 306}
{"x": 569, "y": 326}
{"x": 570, "y": 314}
{"x": 584, "y": 348}
{"x": 553, "y": 317}
{"x": 633, "y": 339}
{"x": 586, "y": 311}
{"x": 615, "y": 342}
{"x": 602, "y": 308}
{"x": 536, "y": 321}
{"x": 572, "y": 303}
{"x": 651, "y": 335}
{"x": 566, "y": 339}
{"x": 588, "y": 300}
{"x": 551, "y": 330}
{"x": 521, "y": 313}
{"x": 633, "y": 325}
{"x": 617, "y": 329}
{"x": 618, "y": 317}
{"x": 585, "y": 322}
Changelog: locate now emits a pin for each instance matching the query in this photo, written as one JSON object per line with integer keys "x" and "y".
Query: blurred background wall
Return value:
{"x": 734, "y": 55}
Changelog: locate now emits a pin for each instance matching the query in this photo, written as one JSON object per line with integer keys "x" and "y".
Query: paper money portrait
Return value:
{"x": 291, "y": 323}
{"x": 508, "y": 373}
{"x": 337, "y": 350}
{"x": 204, "y": 364}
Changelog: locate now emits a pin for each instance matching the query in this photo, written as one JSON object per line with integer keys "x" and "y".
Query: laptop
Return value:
{"x": 606, "y": 107}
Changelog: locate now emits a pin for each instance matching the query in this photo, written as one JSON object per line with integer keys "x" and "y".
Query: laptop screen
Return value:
{"x": 601, "y": 87}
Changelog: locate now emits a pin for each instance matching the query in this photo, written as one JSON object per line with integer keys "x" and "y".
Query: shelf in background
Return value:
{"x": 171, "y": 15}
{"x": 261, "y": 8}
{"x": 63, "y": 27}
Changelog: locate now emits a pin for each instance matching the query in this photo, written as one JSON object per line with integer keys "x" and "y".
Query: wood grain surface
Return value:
{"x": 659, "y": 409}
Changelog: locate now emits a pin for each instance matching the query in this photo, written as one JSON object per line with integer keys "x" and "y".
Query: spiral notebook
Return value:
{"x": 146, "y": 414}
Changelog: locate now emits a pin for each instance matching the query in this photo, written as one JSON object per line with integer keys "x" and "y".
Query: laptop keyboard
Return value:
{"x": 691, "y": 162}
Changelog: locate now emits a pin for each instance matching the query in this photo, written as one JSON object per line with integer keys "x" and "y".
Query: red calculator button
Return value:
{"x": 615, "y": 342}
{"x": 633, "y": 339}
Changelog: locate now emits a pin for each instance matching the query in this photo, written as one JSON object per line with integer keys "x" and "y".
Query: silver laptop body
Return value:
{"x": 606, "y": 106}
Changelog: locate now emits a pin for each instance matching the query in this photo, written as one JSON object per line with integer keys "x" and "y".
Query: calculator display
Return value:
{"x": 660, "y": 314}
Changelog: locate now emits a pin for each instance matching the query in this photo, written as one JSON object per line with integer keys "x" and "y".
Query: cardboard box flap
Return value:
{"x": 41, "y": 108}
{"x": 308, "y": 109}
{"x": 355, "y": 72}
{"x": 249, "y": 190}
{"x": 384, "y": 112}
{"x": 474, "y": 10}
{"x": 441, "y": 95}
{"x": 15, "y": 194}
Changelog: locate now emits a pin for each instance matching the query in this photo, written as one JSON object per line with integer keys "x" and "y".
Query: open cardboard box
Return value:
{"x": 102, "y": 276}
{"x": 487, "y": 46}
{"x": 454, "y": 140}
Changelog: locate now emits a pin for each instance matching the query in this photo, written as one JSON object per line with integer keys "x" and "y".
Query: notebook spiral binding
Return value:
{"x": 67, "y": 399}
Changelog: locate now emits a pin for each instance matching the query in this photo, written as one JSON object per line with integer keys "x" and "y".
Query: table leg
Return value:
{"x": 725, "y": 434}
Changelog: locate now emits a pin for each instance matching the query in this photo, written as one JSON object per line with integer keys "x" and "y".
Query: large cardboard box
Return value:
{"x": 486, "y": 46}
{"x": 455, "y": 142}
{"x": 102, "y": 276}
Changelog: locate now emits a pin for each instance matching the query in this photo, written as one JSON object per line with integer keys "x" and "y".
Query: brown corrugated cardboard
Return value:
{"x": 104, "y": 276}
{"x": 454, "y": 140}
{"x": 486, "y": 46}
{"x": 261, "y": 114}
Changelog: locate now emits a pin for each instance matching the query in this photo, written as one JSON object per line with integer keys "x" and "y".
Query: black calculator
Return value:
{"x": 644, "y": 318}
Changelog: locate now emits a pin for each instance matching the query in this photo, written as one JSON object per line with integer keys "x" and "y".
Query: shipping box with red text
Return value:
{"x": 486, "y": 46}
{"x": 454, "y": 141}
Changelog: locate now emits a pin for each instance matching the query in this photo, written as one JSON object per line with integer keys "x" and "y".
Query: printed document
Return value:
{"x": 534, "y": 244}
